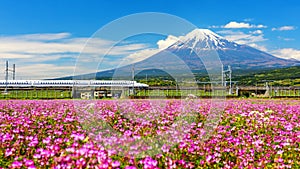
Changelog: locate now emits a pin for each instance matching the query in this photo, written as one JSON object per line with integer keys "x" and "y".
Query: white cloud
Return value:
{"x": 259, "y": 26}
{"x": 139, "y": 56}
{"x": 143, "y": 54}
{"x": 257, "y": 32}
{"x": 214, "y": 26}
{"x": 284, "y": 28}
{"x": 40, "y": 71}
{"x": 285, "y": 39}
{"x": 72, "y": 45}
{"x": 241, "y": 37}
{"x": 163, "y": 44}
{"x": 236, "y": 25}
{"x": 259, "y": 47}
{"x": 287, "y": 53}
{"x": 44, "y": 36}
{"x": 35, "y": 50}
{"x": 253, "y": 38}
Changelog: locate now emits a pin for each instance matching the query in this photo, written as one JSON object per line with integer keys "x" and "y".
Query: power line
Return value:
{"x": 227, "y": 73}
{"x": 13, "y": 70}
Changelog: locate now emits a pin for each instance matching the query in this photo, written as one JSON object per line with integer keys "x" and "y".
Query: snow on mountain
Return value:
{"x": 182, "y": 54}
{"x": 202, "y": 38}
{"x": 201, "y": 35}
{"x": 230, "y": 53}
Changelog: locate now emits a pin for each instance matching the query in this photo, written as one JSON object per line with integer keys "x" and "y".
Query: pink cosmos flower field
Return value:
{"x": 70, "y": 134}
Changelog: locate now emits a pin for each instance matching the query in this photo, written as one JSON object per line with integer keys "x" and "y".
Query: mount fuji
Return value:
{"x": 182, "y": 55}
{"x": 231, "y": 53}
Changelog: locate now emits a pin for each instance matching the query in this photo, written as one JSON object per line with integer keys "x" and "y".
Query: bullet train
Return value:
{"x": 71, "y": 83}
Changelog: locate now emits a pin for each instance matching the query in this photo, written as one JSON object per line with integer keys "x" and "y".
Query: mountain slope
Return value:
{"x": 181, "y": 57}
{"x": 230, "y": 53}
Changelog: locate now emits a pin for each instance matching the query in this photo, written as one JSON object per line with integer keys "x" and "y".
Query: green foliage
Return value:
{"x": 279, "y": 77}
{"x": 36, "y": 94}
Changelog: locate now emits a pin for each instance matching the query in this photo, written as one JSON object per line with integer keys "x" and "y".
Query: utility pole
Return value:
{"x": 6, "y": 77}
{"x": 227, "y": 73}
{"x": 176, "y": 86}
{"x": 230, "y": 85}
{"x": 133, "y": 79}
{"x": 222, "y": 75}
{"x": 146, "y": 78}
{"x": 13, "y": 70}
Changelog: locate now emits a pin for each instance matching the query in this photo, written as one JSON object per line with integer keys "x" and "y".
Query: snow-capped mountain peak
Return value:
{"x": 201, "y": 38}
{"x": 201, "y": 34}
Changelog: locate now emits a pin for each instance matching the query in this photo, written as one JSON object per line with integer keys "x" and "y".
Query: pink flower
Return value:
{"x": 165, "y": 148}
{"x": 208, "y": 158}
{"x": 289, "y": 127}
{"x": 16, "y": 164}
{"x": 115, "y": 164}
{"x": 36, "y": 156}
{"x": 128, "y": 133}
{"x": 29, "y": 163}
{"x": 182, "y": 145}
{"x": 33, "y": 143}
{"x": 9, "y": 151}
{"x": 130, "y": 167}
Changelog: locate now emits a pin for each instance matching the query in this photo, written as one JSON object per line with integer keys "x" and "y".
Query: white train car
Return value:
{"x": 70, "y": 83}
{"x": 15, "y": 83}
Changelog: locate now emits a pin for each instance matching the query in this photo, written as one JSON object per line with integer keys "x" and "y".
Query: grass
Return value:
{"x": 64, "y": 94}
{"x": 36, "y": 94}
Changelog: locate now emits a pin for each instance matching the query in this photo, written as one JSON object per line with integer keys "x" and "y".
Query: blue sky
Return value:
{"x": 49, "y": 35}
